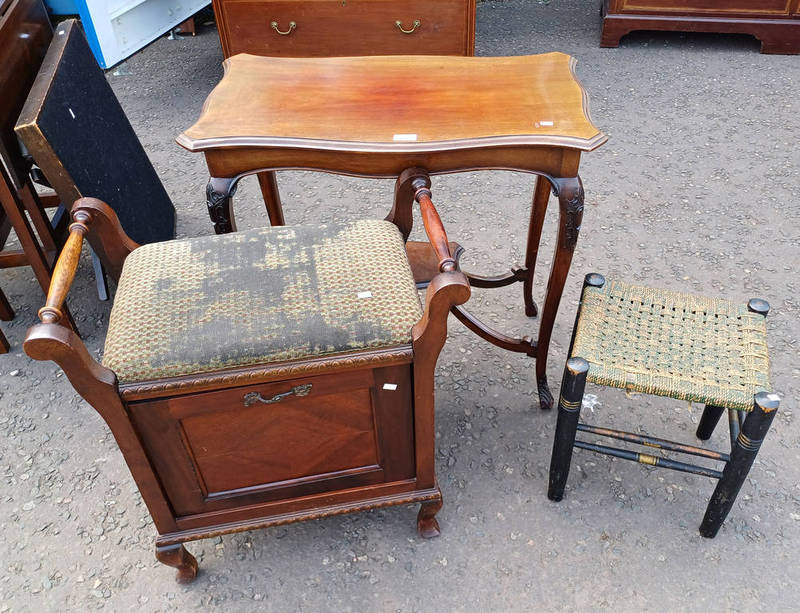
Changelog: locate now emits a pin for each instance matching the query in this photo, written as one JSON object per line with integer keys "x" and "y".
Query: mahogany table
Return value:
{"x": 378, "y": 116}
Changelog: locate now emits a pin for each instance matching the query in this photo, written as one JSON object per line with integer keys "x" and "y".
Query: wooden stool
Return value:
{"x": 677, "y": 345}
{"x": 263, "y": 377}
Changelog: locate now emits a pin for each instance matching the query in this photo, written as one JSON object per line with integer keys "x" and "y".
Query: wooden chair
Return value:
{"x": 263, "y": 377}
{"x": 677, "y": 345}
{"x": 25, "y": 34}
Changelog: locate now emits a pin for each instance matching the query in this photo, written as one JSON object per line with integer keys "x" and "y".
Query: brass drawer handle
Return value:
{"x": 292, "y": 26}
{"x": 417, "y": 23}
{"x": 253, "y": 397}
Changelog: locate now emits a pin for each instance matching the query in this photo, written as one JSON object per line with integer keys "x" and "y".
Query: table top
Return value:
{"x": 395, "y": 104}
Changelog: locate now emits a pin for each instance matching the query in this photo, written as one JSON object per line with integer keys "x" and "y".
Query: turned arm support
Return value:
{"x": 448, "y": 288}
{"x": 434, "y": 227}
{"x": 64, "y": 272}
{"x": 94, "y": 220}
{"x": 97, "y": 222}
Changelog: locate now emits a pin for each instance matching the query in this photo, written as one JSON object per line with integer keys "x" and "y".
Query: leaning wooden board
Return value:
{"x": 79, "y": 136}
{"x": 25, "y": 34}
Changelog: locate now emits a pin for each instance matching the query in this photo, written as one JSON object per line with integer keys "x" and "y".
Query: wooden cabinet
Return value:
{"x": 346, "y": 27}
{"x": 776, "y": 23}
{"x": 220, "y": 451}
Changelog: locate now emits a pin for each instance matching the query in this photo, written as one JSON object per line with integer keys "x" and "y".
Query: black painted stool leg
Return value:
{"x": 569, "y": 409}
{"x": 708, "y": 421}
{"x": 743, "y": 455}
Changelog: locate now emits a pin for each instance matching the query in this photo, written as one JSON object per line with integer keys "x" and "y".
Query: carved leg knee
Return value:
{"x": 177, "y": 557}
{"x": 427, "y": 526}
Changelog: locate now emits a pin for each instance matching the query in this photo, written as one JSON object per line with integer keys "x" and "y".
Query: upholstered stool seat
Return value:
{"x": 266, "y": 295}
{"x": 677, "y": 345}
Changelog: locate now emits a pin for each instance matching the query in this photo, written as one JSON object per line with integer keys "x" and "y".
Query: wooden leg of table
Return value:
{"x": 570, "y": 201}
{"x": 37, "y": 258}
{"x": 272, "y": 197}
{"x": 541, "y": 196}
{"x": 219, "y": 200}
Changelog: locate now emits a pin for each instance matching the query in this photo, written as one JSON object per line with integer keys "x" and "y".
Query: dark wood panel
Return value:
{"x": 358, "y": 27}
{"x": 761, "y": 7}
{"x": 25, "y": 33}
{"x": 282, "y": 511}
{"x": 395, "y": 421}
{"x": 774, "y": 22}
{"x": 294, "y": 439}
{"x": 213, "y": 453}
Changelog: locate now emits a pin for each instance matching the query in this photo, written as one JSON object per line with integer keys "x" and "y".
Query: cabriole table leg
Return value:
{"x": 219, "y": 199}
{"x": 541, "y": 196}
{"x": 272, "y": 197}
{"x": 570, "y": 201}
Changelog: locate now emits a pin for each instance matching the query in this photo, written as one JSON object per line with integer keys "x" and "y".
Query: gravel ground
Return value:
{"x": 695, "y": 190}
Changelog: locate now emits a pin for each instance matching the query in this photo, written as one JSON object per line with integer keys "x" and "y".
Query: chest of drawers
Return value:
{"x": 776, "y": 23}
{"x": 307, "y": 28}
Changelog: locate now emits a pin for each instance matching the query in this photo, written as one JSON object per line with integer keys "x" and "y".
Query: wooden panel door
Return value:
{"x": 224, "y": 449}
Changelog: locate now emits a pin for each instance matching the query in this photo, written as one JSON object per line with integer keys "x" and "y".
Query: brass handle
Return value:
{"x": 253, "y": 397}
{"x": 417, "y": 23}
{"x": 292, "y": 26}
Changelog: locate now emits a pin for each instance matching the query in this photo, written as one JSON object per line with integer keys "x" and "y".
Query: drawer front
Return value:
{"x": 340, "y": 28}
{"x": 719, "y": 7}
{"x": 224, "y": 449}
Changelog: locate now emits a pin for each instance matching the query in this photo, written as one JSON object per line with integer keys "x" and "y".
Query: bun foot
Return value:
{"x": 177, "y": 557}
{"x": 427, "y": 526}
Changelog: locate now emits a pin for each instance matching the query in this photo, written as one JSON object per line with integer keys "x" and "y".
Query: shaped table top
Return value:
{"x": 395, "y": 103}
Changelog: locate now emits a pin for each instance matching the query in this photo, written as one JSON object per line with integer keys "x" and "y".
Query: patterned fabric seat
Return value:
{"x": 260, "y": 296}
{"x": 673, "y": 344}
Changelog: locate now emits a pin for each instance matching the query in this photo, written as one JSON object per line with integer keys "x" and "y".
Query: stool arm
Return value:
{"x": 64, "y": 272}
{"x": 434, "y": 227}
{"x": 108, "y": 240}
{"x": 446, "y": 290}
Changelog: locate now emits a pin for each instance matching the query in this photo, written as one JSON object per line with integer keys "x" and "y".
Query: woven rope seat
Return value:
{"x": 260, "y": 296}
{"x": 673, "y": 344}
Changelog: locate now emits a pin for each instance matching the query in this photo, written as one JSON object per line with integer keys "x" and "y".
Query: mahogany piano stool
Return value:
{"x": 378, "y": 116}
